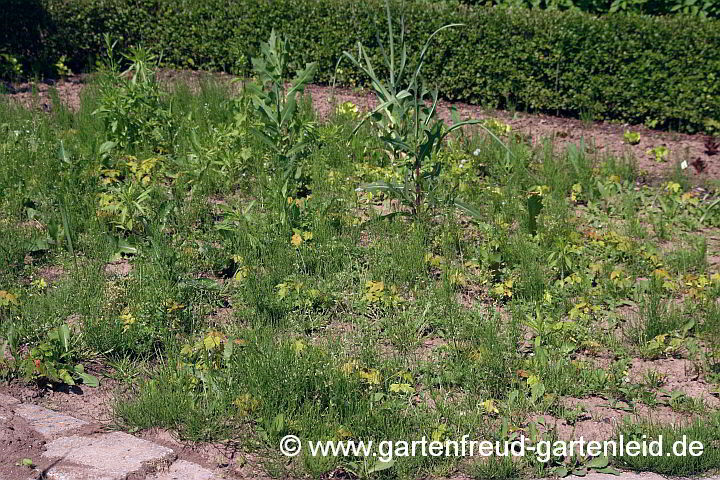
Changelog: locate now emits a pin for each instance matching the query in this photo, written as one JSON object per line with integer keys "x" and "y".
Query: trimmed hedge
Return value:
{"x": 660, "y": 71}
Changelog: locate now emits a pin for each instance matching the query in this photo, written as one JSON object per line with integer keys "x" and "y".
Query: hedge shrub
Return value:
{"x": 660, "y": 71}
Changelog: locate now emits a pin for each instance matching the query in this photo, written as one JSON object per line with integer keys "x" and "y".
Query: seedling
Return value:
{"x": 659, "y": 153}
{"x": 633, "y": 138}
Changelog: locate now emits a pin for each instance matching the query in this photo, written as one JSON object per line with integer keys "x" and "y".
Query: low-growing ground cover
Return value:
{"x": 241, "y": 269}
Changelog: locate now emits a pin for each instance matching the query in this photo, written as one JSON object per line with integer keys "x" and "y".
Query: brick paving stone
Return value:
{"x": 627, "y": 476}
{"x": 47, "y": 422}
{"x": 107, "y": 456}
{"x": 184, "y": 470}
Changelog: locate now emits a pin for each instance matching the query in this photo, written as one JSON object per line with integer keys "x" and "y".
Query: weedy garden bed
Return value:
{"x": 240, "y": 269}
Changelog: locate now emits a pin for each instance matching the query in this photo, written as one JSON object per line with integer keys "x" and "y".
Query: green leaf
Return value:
{"x": 63, "y": 336}
{"x": 608, "y": 471}
{"x": 124, "y": 246}
{"x": 381, "y": 187}
{"x": 87, "y": 379}
{"x": 381, "y": 465}
{"x": 289, "y": 110}
{"x": 534, "y": 206}
{"x": 469, "y": 210}
{"x": 228, "y": 351}
{"x": 560, "y": 472}
{"x": 106, "y": 147}
{"x": 598, "y": 462}
{"x": 62, "y": 154}
{"x": 303, "y": 77}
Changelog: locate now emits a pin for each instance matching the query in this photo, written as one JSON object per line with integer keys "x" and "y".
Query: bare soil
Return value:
{"x": 601, "y": 138}
{"x": 678, "y": 375}
{"x": 93, "y": 405}
{"x": 17, "y": 441}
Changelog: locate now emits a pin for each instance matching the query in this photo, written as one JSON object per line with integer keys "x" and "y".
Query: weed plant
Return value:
{"x": 154, "y": 236}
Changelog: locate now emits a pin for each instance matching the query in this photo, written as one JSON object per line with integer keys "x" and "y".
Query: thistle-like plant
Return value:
{"x": 132, "y": 104}
{"x": 407, "y": 119}
{"x": 284, "y": 131}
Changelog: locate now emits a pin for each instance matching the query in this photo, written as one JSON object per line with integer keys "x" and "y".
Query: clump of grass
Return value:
{"x": 679, "y": 463}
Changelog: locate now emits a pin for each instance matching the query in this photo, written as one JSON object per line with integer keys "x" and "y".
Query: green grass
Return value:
{"x": 255, "y": 308}
{"x": 674, "y": 461}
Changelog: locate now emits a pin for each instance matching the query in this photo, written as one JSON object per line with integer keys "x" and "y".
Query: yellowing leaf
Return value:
{"x": 241, "y": 274}
{"x": 375, "y": 286}
{"x": 349, "y": 367}
{"x": 458, "y": 279}
{"x": 438, "y": 435}
{"x": 246, "y": 404}
{"x": 6, "y": 298}
{"x": 296, "y": 240}
{"x": 661, "y": 273}
{"x": 173, "y": 306}
{"x": 547, "y": 297}
{"x": 489, "y": 406}
{"x": 212, "y": 340}
{"x": 673, "y": 187}
{"x": 402, "y": 388}
{"x": 434, "y": 260}
{"x": 128, "y": 321}
{"x": 282, "y": 290}
{"x": 370, "y": 375}
{"x": 298, "y": 346}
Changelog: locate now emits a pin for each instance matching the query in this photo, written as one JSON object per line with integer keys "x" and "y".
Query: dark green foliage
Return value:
{"x": 660, "y": 71}
{"x": 698, "y": 8}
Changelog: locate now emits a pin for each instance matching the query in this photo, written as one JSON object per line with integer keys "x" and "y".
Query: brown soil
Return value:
{"x": 224, "y": 458}
{"x": 600, "y": 138}
{"x": 119, "y": 268}
{"x": 17, "y": 439}
{"x": 37, "y": 94}
{"x": 93, "y": 405}
{"x": 51, "y": 274}
{"x": 601, "y": 418}
{"x": 679, "y": 375}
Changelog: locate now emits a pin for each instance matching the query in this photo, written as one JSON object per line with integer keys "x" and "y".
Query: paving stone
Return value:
{"x": 108, "y": 456}
{"x": 46, "y": 421}
{"x": 184, "y": 470}
{"x": 622, "y": 476}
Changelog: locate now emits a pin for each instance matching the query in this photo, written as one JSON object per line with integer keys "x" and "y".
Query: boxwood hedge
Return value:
{"x": 661, "y": 71}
